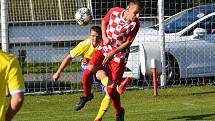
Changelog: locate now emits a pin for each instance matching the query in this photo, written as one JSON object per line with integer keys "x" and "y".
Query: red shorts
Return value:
{"x": 114, "y": 69}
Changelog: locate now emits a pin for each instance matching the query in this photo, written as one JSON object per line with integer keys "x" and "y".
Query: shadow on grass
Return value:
{"x": 200, "y": 93}
{"x": 195, "y": 117}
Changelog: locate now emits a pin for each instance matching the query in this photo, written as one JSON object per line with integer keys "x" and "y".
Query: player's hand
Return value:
{"x": 55, "y": 76}
{"x": 106, "y": 40}
{"x": 84, "y": 61}
{"x": 107, "y": 59}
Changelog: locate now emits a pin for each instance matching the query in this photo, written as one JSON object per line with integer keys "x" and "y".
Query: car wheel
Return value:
{"x": 172, "y": 68}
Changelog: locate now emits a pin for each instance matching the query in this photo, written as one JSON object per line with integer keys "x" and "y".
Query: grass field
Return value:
{"x": 49, "y": 67}
{"x": 171, "y": 104}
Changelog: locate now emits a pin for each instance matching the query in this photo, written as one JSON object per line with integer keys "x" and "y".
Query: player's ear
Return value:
{"x": 127, "y": 8}
{"x": 89, "y": 33}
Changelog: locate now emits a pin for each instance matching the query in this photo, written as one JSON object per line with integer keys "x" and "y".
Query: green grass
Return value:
{"x": 171, "y": 104}
{"x": 49, "y": 67}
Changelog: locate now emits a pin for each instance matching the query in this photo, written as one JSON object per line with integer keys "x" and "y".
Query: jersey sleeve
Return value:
{"x": 81, "y": 48}
{"x": 132, "y": 34}
{"x": 15, "y": 78}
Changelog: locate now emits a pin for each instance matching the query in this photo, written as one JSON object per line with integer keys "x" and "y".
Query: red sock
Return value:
{"x": 87, "y": 81}
{"x": 115, "y": 99}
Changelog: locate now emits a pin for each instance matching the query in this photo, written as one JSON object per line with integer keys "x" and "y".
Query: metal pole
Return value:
{"x": 4, "y": 30}
{"x": 89, "y": 5}
{"x": 60, "y": 9}
{"x": 153, "y": 67}
{"x": 162, "y": 40}
{"x": 32, "y": 10}
{"x": 4, "y": 25}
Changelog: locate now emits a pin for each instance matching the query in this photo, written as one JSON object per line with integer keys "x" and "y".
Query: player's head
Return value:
{"x": 95, "y": 35}
{"x": 133, "y": 10}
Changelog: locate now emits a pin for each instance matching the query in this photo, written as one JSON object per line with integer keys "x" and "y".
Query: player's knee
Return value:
{"x": 112, "y": 91}
{"x": 100, "y": 74}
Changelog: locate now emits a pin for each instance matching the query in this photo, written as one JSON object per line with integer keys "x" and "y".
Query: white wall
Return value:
{"x": 48, "y": 33}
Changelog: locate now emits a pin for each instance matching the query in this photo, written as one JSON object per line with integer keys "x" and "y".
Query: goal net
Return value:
{"x": 44, "y": 10}
{"x": 42, "y": 33}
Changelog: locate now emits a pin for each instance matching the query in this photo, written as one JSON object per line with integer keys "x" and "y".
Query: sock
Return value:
{"x": 115, "y": 99}
{"x": 105, "y": 104}
{"x": 105, "y": 81}
{"x": 87, "y": 81}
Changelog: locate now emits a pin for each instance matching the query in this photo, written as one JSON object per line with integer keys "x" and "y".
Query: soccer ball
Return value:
{"x": 83, "y": 16}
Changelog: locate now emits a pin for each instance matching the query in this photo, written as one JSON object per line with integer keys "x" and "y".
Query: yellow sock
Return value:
{"x": 104, "y": 107}
{"x": 105, "y": 81}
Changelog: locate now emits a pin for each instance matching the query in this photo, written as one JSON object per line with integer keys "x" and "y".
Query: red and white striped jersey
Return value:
{"x": 119, "y": 31}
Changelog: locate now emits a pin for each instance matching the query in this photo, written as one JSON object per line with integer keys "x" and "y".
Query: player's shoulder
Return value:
{"x": 86, "y": 42}
{"x": 6, "y": 58}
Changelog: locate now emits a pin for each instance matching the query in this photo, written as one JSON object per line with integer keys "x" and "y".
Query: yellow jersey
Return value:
{"x": 84, "y": 48}
{"x": 10, "y": 75}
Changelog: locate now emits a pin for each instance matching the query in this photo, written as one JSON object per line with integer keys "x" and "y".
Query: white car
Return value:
{"x": 189, "y": 45}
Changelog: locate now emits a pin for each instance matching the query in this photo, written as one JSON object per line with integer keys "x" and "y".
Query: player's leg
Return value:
{"x": 101, "y": 75}
{"x": 111, "y": 92}
{"x": 115, "y": 97}
{"x": 87, "y": 81}
{"x": 122, "y": 86}
{"x": 105, "y": 104}
{"x": 94, "y": 64}
{"x": 116, "y": 72}
{"x": 84, "y": 98}
{"x": 98, "y": 82}
{"x": 95, "y": 81}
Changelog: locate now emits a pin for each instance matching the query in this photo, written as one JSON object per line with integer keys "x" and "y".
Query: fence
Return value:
{"x": 42, "y": 32}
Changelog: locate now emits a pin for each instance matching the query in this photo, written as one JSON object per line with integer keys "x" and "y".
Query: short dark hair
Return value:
{"x": 96, "y": 29}
{"x": 136, "y": 2}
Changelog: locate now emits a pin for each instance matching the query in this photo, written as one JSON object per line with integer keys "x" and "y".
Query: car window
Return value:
{"x": 183, "y": 19}
{"x": 208, "y": 24}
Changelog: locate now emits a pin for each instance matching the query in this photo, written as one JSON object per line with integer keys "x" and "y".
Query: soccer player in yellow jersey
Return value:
{"x": 85, "y": 49}
{"x": 11, "y": 76}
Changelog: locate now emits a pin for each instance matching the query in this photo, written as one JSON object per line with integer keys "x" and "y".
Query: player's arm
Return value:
{"x": 77, "y": 51}
{"x": 104, "y": 35}
{"x": 16, "y": 88}
{"x": 64, "y": 63}
{"x": 105, "y": 23}
{"x": 14, "y": 106}
{"x": 129, "y": 39}
{"x": 110, "y": 55}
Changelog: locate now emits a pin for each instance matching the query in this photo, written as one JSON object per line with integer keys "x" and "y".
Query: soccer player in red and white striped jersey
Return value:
{"x": 119, "y": 28}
